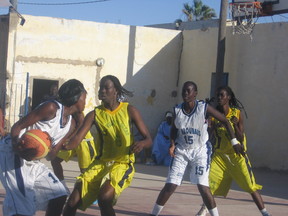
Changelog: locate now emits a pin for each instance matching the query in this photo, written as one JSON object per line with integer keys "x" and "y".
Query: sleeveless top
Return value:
{"x": 222, "y": 138}
{"x": 53, "y": 127}
{"x": 192, "y": 127}
{"x": 115, "y": 134}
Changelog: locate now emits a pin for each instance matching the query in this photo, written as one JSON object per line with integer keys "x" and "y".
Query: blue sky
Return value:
{"x": 128, "y": 12}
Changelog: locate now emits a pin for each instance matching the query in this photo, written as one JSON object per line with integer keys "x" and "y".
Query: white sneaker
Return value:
{"x": 203, "y": 211}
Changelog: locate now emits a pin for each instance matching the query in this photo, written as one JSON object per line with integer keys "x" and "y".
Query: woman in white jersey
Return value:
{"x": 189, "y": 146}
{"x": 30, "y": 185}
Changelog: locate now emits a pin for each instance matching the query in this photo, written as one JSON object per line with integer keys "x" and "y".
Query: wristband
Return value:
{"x": 234, "y": 141}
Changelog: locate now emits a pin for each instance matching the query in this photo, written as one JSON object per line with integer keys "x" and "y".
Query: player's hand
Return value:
{"x": 234, "y": 120}
{"x": 239, "y": 149}
{"x": 137, "y": 147}
{"x": 171, "y": 150}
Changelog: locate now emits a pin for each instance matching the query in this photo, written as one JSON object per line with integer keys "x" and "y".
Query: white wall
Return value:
{"x": 142, "y": 58}
{"x": 257, "y": 74}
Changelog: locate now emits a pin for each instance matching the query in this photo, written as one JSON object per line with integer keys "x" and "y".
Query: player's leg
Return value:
{"x": 55, "y": 206}
{"x": 163, "y": 197}
{"x": 207, "y": 196}
{"x": 244, "y": 177}
{"x": 57, "y": 168}
{"x": 106, "y": 198}
{"x": 175, "y": 176}
{"x": 74, "y": 200}
{"x": 259, "y": 202}
{"x": 199, "y": 174}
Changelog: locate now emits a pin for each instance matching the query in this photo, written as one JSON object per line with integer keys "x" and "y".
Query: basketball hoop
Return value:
{"x": 245, "y": 16}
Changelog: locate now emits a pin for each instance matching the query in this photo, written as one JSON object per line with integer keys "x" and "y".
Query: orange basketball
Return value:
{"x": 39, "y": 140}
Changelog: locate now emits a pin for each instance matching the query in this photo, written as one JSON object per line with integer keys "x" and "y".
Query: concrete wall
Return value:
{"x": 146, "y": 60}
{"x": 257, "y": 74}
{"x": 154, "y": 63}
{"x": 259, "y": 77}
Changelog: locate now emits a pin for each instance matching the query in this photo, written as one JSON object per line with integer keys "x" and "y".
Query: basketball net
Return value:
{"x": 244, "y": 16}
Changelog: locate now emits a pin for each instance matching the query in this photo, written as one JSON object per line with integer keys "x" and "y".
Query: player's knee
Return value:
{"x": 105, "y": 199}
{"x": 169, "y": 188}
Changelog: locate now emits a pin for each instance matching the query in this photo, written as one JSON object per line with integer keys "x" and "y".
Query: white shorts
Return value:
{"x": 196, "y": 161}
{"x": 29, "y": 185}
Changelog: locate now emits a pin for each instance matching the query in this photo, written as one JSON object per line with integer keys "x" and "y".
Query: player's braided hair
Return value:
{"x": 70, "y": 92}
{"x": 122, "y": 92}
{"x": 233, "y": 102}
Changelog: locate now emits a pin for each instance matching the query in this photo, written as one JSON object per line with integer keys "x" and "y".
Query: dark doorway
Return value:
{"x": 41, "y": 88}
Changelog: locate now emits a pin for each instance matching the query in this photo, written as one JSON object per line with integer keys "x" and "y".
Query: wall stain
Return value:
{"x": 35, "y": 59}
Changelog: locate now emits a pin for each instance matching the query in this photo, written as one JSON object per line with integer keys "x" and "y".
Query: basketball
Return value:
{"x": 38, "y": 140}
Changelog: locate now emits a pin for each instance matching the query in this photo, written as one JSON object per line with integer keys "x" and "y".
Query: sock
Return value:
{"x": 264, "y": 212}
{"x": 157, "y": 209}
{"x": 214, "y": 211}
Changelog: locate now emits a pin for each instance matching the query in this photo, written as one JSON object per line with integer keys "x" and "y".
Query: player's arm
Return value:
{"x": 54, "y": 151}
{"x": 82, "y": 131}
{"x": 143, "y": 130}
{"x": 219, "y": 116}
{"x": 44, "y": 112}
{"x": 173, "y": 135}
{"x": 238, "y": 125}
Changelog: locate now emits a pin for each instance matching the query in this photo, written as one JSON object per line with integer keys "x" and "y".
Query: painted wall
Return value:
{"x": 154, "y": 63}
{"x": 146, "y": 60}
{"x": 257, "y": 74}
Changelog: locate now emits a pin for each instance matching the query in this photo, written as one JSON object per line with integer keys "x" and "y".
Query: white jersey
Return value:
{"x": 29, "y": 185}
{"x": 192, "y": 127}
{"x": 193, "y": 151}
{"x": 53, "y": 127}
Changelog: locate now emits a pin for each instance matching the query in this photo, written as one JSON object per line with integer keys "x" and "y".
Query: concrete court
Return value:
{"x": 139, "y": 198}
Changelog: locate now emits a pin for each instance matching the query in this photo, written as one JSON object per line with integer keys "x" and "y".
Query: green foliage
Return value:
{"x": 198, "y": 11}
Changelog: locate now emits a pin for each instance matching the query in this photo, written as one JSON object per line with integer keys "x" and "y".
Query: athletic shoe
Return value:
{"x": 203, "y": 211}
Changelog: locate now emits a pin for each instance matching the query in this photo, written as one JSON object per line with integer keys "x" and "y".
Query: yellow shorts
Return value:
{"x": 119, "y": 174}
{"x": 228, "y": 167}
{"x": 85, "y": 152}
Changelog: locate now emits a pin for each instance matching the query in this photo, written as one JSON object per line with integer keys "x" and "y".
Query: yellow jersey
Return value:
{"x": 115, "y": 134}
{"x": 223, "y": 140}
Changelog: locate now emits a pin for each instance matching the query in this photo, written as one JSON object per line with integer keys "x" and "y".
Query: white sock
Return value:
{"x": 214, "y": 211}
{"x": 157, "y": 209}
{"x": 264, "y": 212}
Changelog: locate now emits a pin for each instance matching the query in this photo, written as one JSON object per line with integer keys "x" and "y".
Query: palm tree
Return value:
{"x": 198, "y": 11}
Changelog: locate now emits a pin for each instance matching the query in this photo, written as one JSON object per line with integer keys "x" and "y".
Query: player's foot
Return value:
{"x": 203, "y": 211}
{"x": 266, "y": 214}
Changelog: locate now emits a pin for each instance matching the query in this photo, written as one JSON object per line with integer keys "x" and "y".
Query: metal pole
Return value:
{"x": 14, "y": 4}
{"x": 27, "y": 101}
{"x": 221, "y": 44}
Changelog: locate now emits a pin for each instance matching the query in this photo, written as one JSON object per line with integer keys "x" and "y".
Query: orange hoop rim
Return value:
{"x": 256, "y": 4}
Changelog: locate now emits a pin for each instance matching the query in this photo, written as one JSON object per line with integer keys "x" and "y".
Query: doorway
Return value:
{"x": 41, "y": 87}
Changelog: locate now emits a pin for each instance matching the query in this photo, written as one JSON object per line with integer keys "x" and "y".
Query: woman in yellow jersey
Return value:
{"x": 112, "y": 170}
{"x": 227, "y": 166}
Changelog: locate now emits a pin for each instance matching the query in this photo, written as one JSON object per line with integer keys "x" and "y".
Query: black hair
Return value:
{"x": 122, "y": 92}
{"x": 191, "y": 83}
{"x": 70, "y": 92}
{"x": 233, "y": 102}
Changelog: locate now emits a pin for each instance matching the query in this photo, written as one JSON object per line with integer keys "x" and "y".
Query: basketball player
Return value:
{"x": 30, "y": 185}
{"x": 113, "y": 169}
{"x": 190, "y": 147}
{"x": 226, "y": 166}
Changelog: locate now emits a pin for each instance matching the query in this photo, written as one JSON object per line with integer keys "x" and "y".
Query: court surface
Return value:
{"x": 139, "y": 198}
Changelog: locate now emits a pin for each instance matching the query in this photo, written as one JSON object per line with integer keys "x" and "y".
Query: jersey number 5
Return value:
{"x": 188, "y": 139}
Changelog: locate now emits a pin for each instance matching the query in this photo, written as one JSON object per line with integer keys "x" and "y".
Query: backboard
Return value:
{"x": 268, "y": 7}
